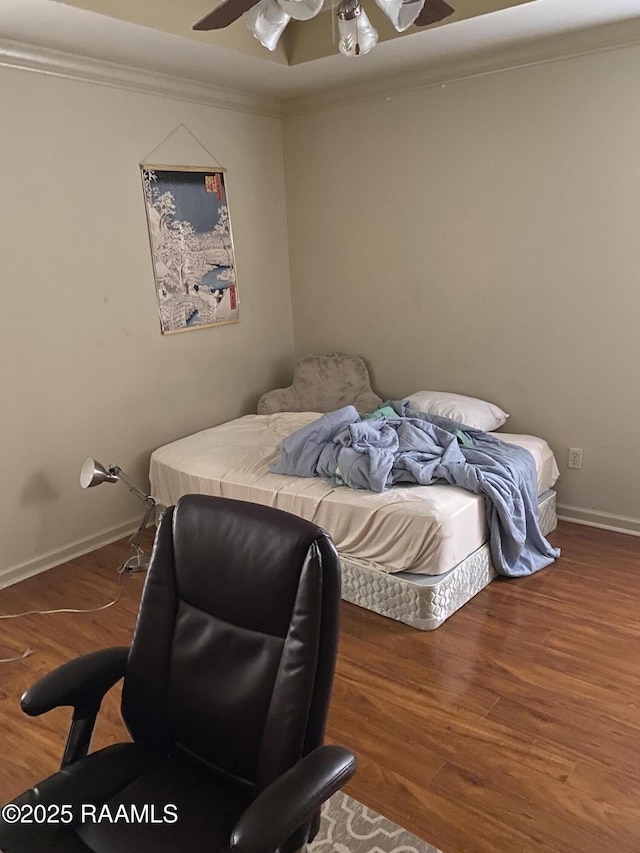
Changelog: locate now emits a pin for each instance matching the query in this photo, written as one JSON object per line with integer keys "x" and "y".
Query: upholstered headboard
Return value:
{"x": 323, "y": 383}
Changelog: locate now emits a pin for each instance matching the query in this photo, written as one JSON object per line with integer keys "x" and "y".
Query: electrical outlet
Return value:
{"x": 575, "y": 457}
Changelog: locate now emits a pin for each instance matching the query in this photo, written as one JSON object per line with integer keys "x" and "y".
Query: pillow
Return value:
{"x": 466, "y": 410}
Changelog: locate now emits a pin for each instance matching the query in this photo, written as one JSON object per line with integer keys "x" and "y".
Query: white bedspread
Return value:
{"x": 427, "y": 529}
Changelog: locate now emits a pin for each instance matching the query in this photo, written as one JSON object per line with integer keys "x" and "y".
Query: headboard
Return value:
{"x": 323, "y": 383}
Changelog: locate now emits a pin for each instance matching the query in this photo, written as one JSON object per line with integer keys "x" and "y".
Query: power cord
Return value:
{"x": 20, "y": 657}
{"x": 120, "y": 573}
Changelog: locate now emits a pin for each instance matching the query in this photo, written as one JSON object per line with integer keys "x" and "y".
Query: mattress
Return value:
{"x": 426, "y": 530}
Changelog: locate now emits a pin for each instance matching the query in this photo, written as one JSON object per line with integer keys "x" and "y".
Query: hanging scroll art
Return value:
{"x": 191, "y": 247}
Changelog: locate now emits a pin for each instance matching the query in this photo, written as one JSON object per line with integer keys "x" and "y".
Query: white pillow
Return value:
{"x": 466, "y": 410}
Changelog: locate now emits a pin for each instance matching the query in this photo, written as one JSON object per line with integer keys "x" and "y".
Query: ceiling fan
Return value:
{"x": 268, "y": 18}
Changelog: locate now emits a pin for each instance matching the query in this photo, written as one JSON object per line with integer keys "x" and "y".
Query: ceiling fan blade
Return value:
{"x": 432, "y": 12}
{"x": 226, "y": 13}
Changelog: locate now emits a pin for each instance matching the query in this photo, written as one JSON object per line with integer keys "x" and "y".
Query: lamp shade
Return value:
{"x": 267, "y": 21}
{"x": 93, "y": 473}
{"x": 357, "y": 36}
{"x": 401, "y": 13}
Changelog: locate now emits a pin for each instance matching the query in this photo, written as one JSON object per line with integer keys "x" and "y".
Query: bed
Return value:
{"x": 412, "y": 553}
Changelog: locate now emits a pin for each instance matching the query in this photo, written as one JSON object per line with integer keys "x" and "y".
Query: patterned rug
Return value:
{"x": 349, "y": 827}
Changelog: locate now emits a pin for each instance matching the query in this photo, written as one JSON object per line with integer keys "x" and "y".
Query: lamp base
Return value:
{"x": 137, "y": 563}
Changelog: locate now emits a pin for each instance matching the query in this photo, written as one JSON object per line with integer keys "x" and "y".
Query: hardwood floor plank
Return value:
{"x": 488, "y": 642}
{"x": 430, "y": 679}
{"x": 598, "y": 738}
{"x": 522, "y": 671}
{"x": 555, "y": 797}
{"x": 407, "y": 757}
{"x": 607, "y": 650}
{"x": 612, "y": 786}
{"x": 454, "y": 734}
{"x": 576, "y": 597}
{"x": 535, "y": 612}
{"x": 531, "y": 826}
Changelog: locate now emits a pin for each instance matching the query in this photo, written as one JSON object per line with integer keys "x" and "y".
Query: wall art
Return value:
{"x": 191, "y": 246}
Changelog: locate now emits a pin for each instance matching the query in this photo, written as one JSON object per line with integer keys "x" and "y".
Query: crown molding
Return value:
{"x": 605, "y": 37}
{"x": 70, "y": 66}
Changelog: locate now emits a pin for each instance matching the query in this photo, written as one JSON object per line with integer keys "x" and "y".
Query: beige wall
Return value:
{"x": 482, "y": 237}
{"x": 84, "y": 370}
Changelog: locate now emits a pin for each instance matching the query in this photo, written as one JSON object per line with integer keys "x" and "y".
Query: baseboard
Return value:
{"x": 595, "y": 518}
{"x": 14, "y": 574}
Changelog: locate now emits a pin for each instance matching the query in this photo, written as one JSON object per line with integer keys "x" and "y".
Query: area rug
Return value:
{"x": 349, "y": 827}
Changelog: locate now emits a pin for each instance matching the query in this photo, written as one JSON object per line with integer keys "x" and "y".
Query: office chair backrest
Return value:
{"x": 235, "y": 644}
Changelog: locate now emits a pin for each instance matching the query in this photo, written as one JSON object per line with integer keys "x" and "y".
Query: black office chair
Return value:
{"x": 226, "y": 692}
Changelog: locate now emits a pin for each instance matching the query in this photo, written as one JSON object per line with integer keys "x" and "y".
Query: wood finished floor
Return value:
{"x": 514, "y": 727}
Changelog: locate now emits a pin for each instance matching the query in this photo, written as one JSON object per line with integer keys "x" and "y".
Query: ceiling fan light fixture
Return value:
{"x": 401, "y": 13}
{"x": 267, "y": 18}
{"x": 357, "y": 36}
{"x": 267, "y": 21}
{"x": 301, "y": 10}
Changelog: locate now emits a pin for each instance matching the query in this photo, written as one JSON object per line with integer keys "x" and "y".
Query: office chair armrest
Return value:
{"x": 291, "y": 800}
{"x": 81, "y": 683}
{"x": 76, "y": 682}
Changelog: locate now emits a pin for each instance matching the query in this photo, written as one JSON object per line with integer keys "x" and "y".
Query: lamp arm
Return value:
{"x": 132, "y": 486}
{"x": 135, "y": 541}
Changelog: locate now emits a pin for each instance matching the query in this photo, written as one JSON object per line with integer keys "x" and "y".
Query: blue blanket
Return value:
{"x": 378, "y": 453}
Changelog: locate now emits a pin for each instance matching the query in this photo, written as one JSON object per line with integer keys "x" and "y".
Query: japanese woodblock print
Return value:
{"x": 191, "y": 247}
